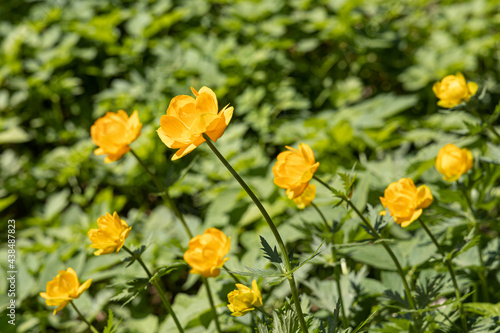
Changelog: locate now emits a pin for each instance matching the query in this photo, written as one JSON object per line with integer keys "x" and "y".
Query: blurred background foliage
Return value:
{"x": 353, "y": 79}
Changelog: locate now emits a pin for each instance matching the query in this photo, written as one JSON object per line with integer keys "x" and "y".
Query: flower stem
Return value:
{"x": 164, "y": 194}
{"x": 158, "y": 287}
{"x": 452, "y": 273}
{"x": 288, "y": 268}
{"x": 383, "y": 242}
{"x": 336, "y": 268}
{"x": 472, "y": 218}
{"x": 212, "y": 304}
{"x": 179, "y": 215}
{"x": 92, "y": 328}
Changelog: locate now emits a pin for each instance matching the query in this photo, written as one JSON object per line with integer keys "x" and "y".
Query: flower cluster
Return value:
{"x": 187, "y": 124}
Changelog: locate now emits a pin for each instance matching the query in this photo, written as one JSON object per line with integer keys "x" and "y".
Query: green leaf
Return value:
{"x": 137, "y": 253}
{"x": 310, "y": 258}
{"x": 164, "y": 270}
{"x": 483, "y": 309}
{"x": 270, "y": 253}
{"x": 131, "y": 290}
{"x": 257, "y": 272}
{"x": 7, "y": 201}
{"x": 109, "y": 325}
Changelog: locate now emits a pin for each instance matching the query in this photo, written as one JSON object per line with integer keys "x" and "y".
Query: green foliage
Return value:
{"x": 353, "y": 79}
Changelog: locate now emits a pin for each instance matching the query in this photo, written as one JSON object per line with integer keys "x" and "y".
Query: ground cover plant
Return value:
{"x": 250, "y": 166}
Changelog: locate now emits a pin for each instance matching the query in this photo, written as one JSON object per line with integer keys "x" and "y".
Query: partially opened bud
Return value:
{"x": 64, "y": 288}
{"x": 453, "y": 90}
{"x": 114, "y": 132}
{"x": 294, "y": 169}
{"x": 452, "y": 162}
{"x": 110, "y": 235}
{"x": 405, "y": 201}
{"x": 188, "y": 118}
{"x": 206, "y": 252}
{"x": 244, "y": 299}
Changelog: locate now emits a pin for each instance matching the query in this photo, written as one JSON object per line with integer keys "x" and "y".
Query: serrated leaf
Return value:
{"x": 136, "y": 254}
{"x": 276, "y": 281}
{"x": 164, "y": 270}
{"x": 269, "y": 252}
{"x": 257, "y": 272}
{"x": 467, "y": 246}
{"x": 109, "y": 325}
{"x": 131, "y": 290}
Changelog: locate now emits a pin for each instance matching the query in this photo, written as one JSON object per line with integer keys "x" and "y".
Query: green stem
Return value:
{"x": 177, "y": 213}
{"x": 472, "y": 218}
{"x": 383, "y": 242}
{"x": 323, "y": 218}
{"x": 263, "y": 312}
{"x": 92, "y": 328}
{"x": 452, "y": 273}
{"x": 494, "y": 131}
{"x": 235, "y": 278}
{"x": 212, "y": 304}
{"x": 336, "y": 268}
{"x": 288, "y": 269}
{"x": 164, "y": 194}
{"x": 158, "y": 287}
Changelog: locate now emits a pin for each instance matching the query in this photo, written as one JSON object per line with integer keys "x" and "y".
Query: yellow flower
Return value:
{"x": 244, "y": 299}
{"x": 63, "y": 288}
{"x": 452, "y": 162}
{"x": 453, "y": 90}
{"x": 110, "y": 235}
{"x": 306, "y": 197}
{"x": 405, "y": 201}
{"x": 188, "y": 118}
{"x": 205, "y": 253}
{"x": 294, "y": 169}
{"x": 114, "y": 132}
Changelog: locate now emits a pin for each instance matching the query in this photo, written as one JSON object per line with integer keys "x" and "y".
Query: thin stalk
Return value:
{"x": 158, "y": 287}
{"x": 382, "y": 241}
{"x": 288, "y": 268}
{"x": 92, "y": 328}
{"x": 472, "y": 218}
{"x": 212, "y": 304}
{"x": 323, "y": 218}
{"x": 235, "y": 278}
{"x": 263, "y": 312}
{"x": 164, "y": 194}
{"x": 170, "y": 203}
{"x": 452, "y": 273}
{"x": 336, "y": 268}
{"x": 488, "y": 122}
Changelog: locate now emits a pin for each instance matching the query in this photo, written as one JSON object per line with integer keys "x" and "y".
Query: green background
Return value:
{"x": 353, "y": 79}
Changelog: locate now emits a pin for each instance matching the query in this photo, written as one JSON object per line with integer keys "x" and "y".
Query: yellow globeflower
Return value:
{"x": 294, "y": 169}
{"x": 405, "y": 201}
{"x": 205, "y": 253}
{"x": 452, "y": 162}
{"x": 110, "y": 235}
{"x": 188, "y": 118}
{"x": 305, "y": 199}
{"x": 114, "y": 132}
{"x": 453, "y": 90}
{"x": 63, "y": 288}
{"x": 244, "y": 299}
